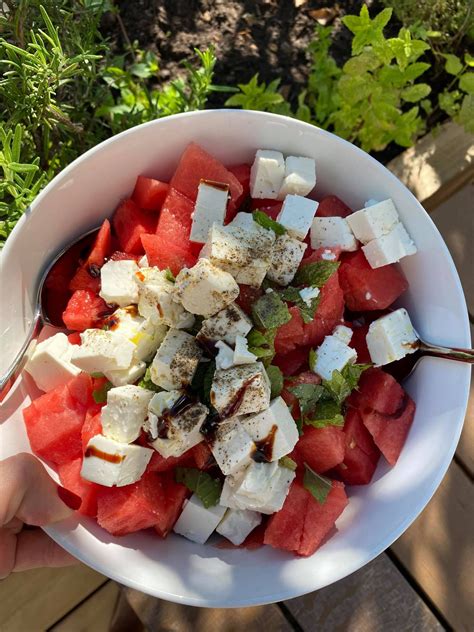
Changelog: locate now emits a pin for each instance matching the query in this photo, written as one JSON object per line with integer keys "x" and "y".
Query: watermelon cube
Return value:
{"x": 291, "y": 334}
{"x": 247, "y": 297}
{"x": 87, "y": 276}
{"x": 84, "y": 310}
{"x": 293, "y": 361}
{"x": 321, "y": 448}
{"x": 162, "y": 252}
{"x": 307, "y": 377}
{"x": 379, "y": 391}
{"x": 329, "y": 313}
{"x": 129, "y": 223}
{"x": 159, "y": 463}
{"x": 368, "y": 289}
{"x": 149, "y": 194}
{"x": 359, "y": 343}
{"x": 332, "y": 206}
{"x": 83, "y": 280}
{"x": 195, "y": 165}
{"x": 70, "y": 477}
{"x": 179, "y": 207}
{"x": 118, "y": 255}
{"x": 361, "y": 454}
{"x": 174, "y": 497}
{"x": 92, "y": 425}
{"x": 242, "y": 173}
{"x": 74, "y": 338}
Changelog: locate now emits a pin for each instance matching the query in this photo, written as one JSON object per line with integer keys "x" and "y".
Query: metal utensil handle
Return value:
{"x": 461, "y": 355}
{"x": 21, "y": 358}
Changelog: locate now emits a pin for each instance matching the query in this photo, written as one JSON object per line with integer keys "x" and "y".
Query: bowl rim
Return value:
{"x": 86, "y": 557}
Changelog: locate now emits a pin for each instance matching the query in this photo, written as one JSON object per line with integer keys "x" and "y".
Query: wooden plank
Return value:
{"x": 94, "y": 614}
{"x": 377, "y": 597}
{"x": 34, "y": 600}
{"x": 438, "y": 550}
{"x": 437, "y": 165}
{"x": 465, "y": 449}
{"x": 162, "y": 616}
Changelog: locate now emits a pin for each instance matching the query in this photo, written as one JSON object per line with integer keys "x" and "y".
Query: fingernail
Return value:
{"x": 73, "y": 501}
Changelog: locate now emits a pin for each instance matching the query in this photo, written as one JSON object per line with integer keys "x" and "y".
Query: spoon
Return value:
{"x": 41, "y": 316}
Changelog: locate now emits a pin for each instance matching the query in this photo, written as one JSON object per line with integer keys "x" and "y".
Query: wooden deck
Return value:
{"x": 424, "y": 582}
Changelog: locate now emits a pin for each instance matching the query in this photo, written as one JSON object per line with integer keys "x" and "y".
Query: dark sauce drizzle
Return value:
{"x": 111, "y": 458}
{"x": 263, "y": 452}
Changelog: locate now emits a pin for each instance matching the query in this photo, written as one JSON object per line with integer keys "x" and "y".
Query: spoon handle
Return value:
{"x": 9, "y": 377}
{"x": 461, "y": 355}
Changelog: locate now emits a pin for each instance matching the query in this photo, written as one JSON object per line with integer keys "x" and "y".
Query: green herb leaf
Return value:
{"x": 262, "y": 344}
{"x": 292, "y": 295}
{"x": 202, "y": 381}
{"x": 276, "y": 380}
{"x": 316, "y": 274}
{"x": 352, "y": 373}
{"x": 269, "y": 311}
{"x": 317, "y": 485}
{"x": 312, "y": 359}
{"x": 169, "y": 276}
{"x": 453, "y": 64}
{"x": 146, "y": 382}
{"x": 337, "y": 387}
{"x": 100, "y": 395}
{"x": 267, "y": 222}
{"x": 286, "y": 461}
{"x": 327, "y": 413}
{"x": 466, "y": 82}
{"x": 206, "y": 488}
{"x": 307, "y": 395}
{"x": 97, "y": 375}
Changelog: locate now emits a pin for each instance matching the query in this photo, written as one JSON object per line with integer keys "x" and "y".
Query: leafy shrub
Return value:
{"x": 457, "y": 100}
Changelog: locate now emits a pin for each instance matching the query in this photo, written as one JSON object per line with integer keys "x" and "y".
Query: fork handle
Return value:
{"x": 455, "y": 353}
{"x": 9, "y": 377}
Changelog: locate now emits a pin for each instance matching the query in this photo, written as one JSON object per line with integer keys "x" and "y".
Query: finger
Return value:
{"x": 35, "y": 549}
{"x": 29, "y": 493}
{"x": 7, "y": 552}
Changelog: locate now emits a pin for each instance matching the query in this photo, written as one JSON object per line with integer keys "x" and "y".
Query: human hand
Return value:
{"x": 30, "y": 497}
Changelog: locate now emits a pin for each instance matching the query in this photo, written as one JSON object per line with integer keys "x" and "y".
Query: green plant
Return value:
{"x": 457, "y": 100}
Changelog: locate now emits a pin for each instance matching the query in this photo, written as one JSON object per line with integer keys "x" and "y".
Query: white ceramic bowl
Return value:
{"x": 176, "y": 569}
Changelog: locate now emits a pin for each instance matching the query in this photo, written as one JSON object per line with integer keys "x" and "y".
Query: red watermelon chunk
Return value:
{"x": 328, "y": 315}
{"x": 247, "y": 297}
{"x": 84, "y": 310}
{"x": 332, "y": 206}
{"x": 359, "y": 343}
{"x": 293, "y": 361}
{"x": 390, "y": 431}
{"x": 378, "y": 390}
{"x": 179, "y": 207}
{"x": 118, "y": 255}
{"x": 242, "y": 173}
{"x": 290, "y": 335}
{"x": 74, "y": 338}
{"x": 159, "y": 463}
{"x": 202, "y": 456}
{"x": 311, "y": 256}
{"x": 92, "y": 425}
{"x": 361, "y": 454}
{"x": 195, "y": 165}
{"x": 321, "y": 448}
{"x": 87, "y": 276}
{"x": 271, "y": 208}
{"x": 83, "y": 280}
{"x": 70, "y": 477}
{"x": 368, "y": 289}
{"x": 167, "y": 254}
{"x": 149, "y": 194}
{"x": 307, "y": 377}
{"x": 130, "y": 222}
{"x": 174, "y": 497}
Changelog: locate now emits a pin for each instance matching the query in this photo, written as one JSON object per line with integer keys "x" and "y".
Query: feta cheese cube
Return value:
{"x": 391, "y": 338}
{"x": 373, "y": 221}
{"x": 226, "y": 325}
{"x": 145, "y": 334}
{"x": 266, "y": 174}
{"x": 328, "y": 255}
{"x": 156, "y": 299}
{"x": 117, "y": 283}
{"x": 389, "y": 248}
{"x": 241, "y": 389}
{"x": 205, "y": 289}
{"x": 196, "y": 523}
{"x": 121, "y": 377}
{"x": 176, "y": 360}
{"x": 333, "y": 355}
{"x": 174, "y": 423}
{"x": 225, "y": 355}
{"x": 308, "y": 294}
{"x": 260, "y": 487}
{"x": 143, "y": 262}
{"x": 245, "y": 221}
{"x": 102, "y": 351}
{"x": 232, "y": 446}
{"x": 343, "y": 333}
{"x": 332, "y": 231}
{"x": 275, "y": 428}
{"x": 237, "y": 524}
{"x": 50, "y": 365}
{"x": 300, "y": 176}
{"x": 245, "y": 254}
{"x": 286, "y": 257}
{"x": 125, "y": 412}
{"x": 242, "y": 355}
{"x": 297, "y": 214}
{"x": 210, "y": 207}
{"x": 108, "y": 462}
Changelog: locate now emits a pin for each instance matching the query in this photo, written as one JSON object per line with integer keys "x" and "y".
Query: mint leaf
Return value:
{"x": 206, "y": 488}
{"x": 312, "y": 359}
{"x": 169, "y": 276}
{"x": 453, "y": 64}
{"x": 316, "y": 274}
{"x": 292, "y": 295}
{"x": 96, "y": 375}
{"x": 352, "y": 373}
{"x": 269, "y": 311}
{"x": 318, "y": 486}
{"x": 327, "y": 413}
{"x": 146, "y": 382}
{"x": 307, "y": 396}
{"x": 286, "y": 461}
{"x": 276, "y": 380}
{"x": 100, "y": 395}
{"x": 267, "y": 222}
{"x": 262, "y": 344}
{"x": 337, "y": 387}
{"x": 202, "y": 381}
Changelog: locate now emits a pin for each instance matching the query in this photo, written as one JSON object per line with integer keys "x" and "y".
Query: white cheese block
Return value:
{"x": 328, "y": 255}
{"x": 108, "y": 462}
{"x": 176, "y": 360}
{"x": 242, "y": 355}
{"x": 275, "y": 425}
{"x": 226, "y": 325}
{"x": 225, "y": 355}
{"x": 245, "y": 221}
{"x": 196, "y": 523}
{"x": 232, "y": 446}
{"x": 244, "y": 389}
{"x": 389, "y": 248}
{"x": 266, "y": 174}
{"x": 237, "y": 524}
{"x": 343, "y": 333}
{"x": 308, "y": 294}
{"x": 143, "y": 262}
{"x": 297, "y": 214}
{"x": 391, "y": 338}
{"x": 50, "y": 365}
{"x": 210, "y": 207}
{"x": 145, "y": 334}
{"x": 205, "y": 289}
{"x": 373, "y": 221}
{"x": 117, "y": 283}
{"x": 286, "y": 257}
{"x": 333, "y": 355}
{"x": 300, "y": 176}
{"x": 121, "y": 377}
{"x": 125, "y": 412}
{"x": 101, "y": 351}
{"x": 332, "y": 231}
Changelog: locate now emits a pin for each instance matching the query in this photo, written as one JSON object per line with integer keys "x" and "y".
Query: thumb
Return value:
{"x": 30, "y": 494}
